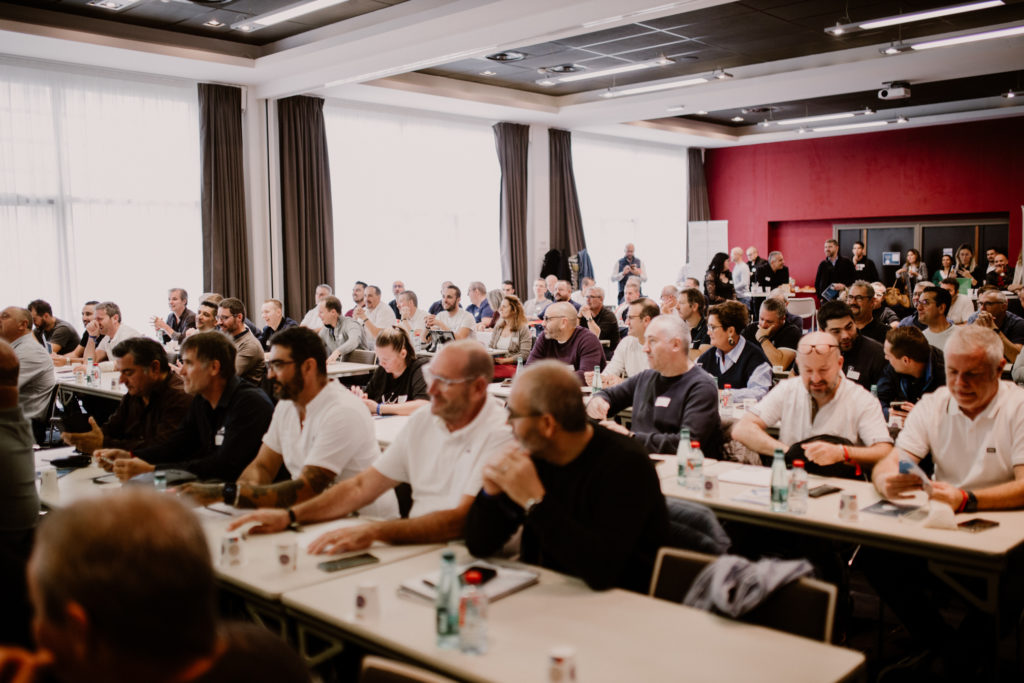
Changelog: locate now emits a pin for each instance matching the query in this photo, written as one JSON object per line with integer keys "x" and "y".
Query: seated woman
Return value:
{"x": 911, "y": 272}
{"x": 946, "y": 269}
{"x": 511, "y": 335}
{"x": 718, "y": 280}
{"x": 967, "y": 268}
{"x": 731, "y": 359}
{"x": 397, "y": 386}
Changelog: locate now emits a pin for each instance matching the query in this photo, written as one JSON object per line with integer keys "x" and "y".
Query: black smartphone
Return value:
{"x": 486, "y": 573}
{"x": 347, "y": 562}
{"x": 823, "y": 490}
{"x": 977, "y": 524}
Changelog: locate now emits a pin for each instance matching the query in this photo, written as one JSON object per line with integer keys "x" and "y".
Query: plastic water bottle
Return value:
{"x": 874, "y": 391}
{"x": 798, "y": 489}
{"x": 780, "y": 482}
{"x": 447, "y": 603}
{"x": 88, "y": 370}
{"x": 519, "y": 365}
{"x": 97, "y": 374}
{"x": 726, "y": 400}
{"x": 160, "y": 481}
{"x": 597, "y": 378}
{"x": 695, "y": 467}
{"x": 682, "y": 455}
{"x": 473, "y": 616}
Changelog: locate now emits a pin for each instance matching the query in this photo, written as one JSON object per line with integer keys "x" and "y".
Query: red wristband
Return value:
{"x": 847, "y": 459}
{"x": 963, "y": 501}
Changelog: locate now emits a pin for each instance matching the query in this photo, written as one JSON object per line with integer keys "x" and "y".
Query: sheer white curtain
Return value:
{"x": 99, "y": 190}
{"x": 415, "y": 199}
{"x": 632, "y": 192}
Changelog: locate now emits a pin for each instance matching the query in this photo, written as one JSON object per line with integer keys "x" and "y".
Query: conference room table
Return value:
{"x": 617, "y": 635}
{"x": 109, "y": 386}
{"x": 347, "y": 369}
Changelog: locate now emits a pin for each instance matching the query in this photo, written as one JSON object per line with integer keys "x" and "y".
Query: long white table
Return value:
{"x": 109, "y": 386}
{"x": 387, "y": 428}
{"x": 618, "y": 635}
{"x": 346, "y": 369}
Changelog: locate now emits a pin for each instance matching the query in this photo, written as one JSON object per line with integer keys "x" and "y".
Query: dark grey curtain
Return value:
{"x": 512, "y": 141}
{"x": 566, "y": 223}
{"x": 225, "y": 242}
{"x": 307, "y": 215}
{"x": 699, "y": 209}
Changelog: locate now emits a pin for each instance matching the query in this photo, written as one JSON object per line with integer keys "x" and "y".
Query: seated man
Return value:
{"x": 820, "y": 401}
{"x": 961, "y": 309}
{"x": 206, "y": 318}
{"x": 534, "y": 307}
{"x": 915, "y": 368}
{"x": 35, "y": 377}
{"x": 358, "y": 298}
{"x": 863, "y": 358}
{"x": 692, "y": 308}
{"x": 225, "y": 423}
{"x": 932, "y": 309}
{"x": 563, "y": 339}
{"x": 777, "y": 338}
{"x": 147, "y": 612}
{"x": 860, "y": 297}
{"x": 630, "y": 293}
{"x": 57, "y": 335}
{"x": 151, "y": 411}
{"x": 438, "y": 305}
{"x": 178, "y": 320}
{"x": 320, "y": 432}
{"x": 992, "y": 315}
{"x": 912, "y": 319}
{"x": 397, "y": 287}
{"x": 882, "y": 313}
{"x": 580, "y": 295}
{"x": 411, "y": 317}
{"x": 339, "y": 335}
{"x": 110, "y": 332}
{"x": 974, "y": 430}
{"x": 600, "y": 320}
{"x": 772, "y": 274}
{"x": 673, "y": 394}
{"x": 1001, "y": 274}
{"x": 452, "y": 318}
{"x": 669, "y": 299}
{"x": 563, "y": 292}
{"x": 312, "y": 317}
{"x": 555, "y": 482}
{"x": 249, "y": 363}
{"x": 479, "y": 307}
{"x": 272, "y": 312}
{"x": 88, "y": 315}
{"x": 374, "y": 316}
{"x": 629, "y": 358}
{"x": 440, "y": 453}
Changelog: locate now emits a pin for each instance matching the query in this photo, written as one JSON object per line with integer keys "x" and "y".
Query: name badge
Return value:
{"x": 218, "y": 438}
{"x": 990, "y": 449}
{"x": 662, "y": 402}
{"x": 852, "y": 374}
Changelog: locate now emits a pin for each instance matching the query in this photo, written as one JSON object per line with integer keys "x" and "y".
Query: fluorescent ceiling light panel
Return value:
{"x": 276, "y": 17}
{"x": 814, "y": 119}
{"x": 928, "y": 14}
{"x": 625, "y": 68}
{"x": 971, "y": 38}
{"x": 632, "y": 15}
{"x": 636, "y": 90}
{"x": 852, "y": 126}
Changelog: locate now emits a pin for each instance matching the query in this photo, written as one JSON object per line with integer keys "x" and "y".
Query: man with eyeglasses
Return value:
{"x": 599, "y": 319}
{"x": 932, "y": 308}
{"x": 973, "y": 428}
{"x": 819, "y": 402}
{"x": 563, "y": 339}
{"x": 863, "y": 358}
{"x": 629, "y": 358}
{"x": 861, "y": 300}
{"x": 992, "y": 314}
{"x": 440, "y": 453}
{"x": 556, "y": 482}
{"x": 674, "y": 393}
{"x": 320, "y": 432}
{"x": 224, "y": 424}
{"x": 249, "y": 363}
{"x": 913, "y": 318}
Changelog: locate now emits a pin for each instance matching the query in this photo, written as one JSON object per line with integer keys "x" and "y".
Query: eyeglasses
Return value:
{"x": 991, "y": 303}
{"x": 711, "y": 327}
{"x": 821, "y": 349}
{"x": 276, "y": 365}
{"x": 634, "y": 317}
{"x": 554, "y": 317}
{"x": 430, "y": 377}
{"x": 859, "y": 297}
{"x": 513, "y": 416}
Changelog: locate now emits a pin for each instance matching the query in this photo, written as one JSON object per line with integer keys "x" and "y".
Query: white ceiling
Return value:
{"x": 369, "y": 59}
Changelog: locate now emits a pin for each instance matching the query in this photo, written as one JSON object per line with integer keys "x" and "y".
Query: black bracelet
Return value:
{"x": 972, "y": 502}
{"x": 230, "y": 492}
{"x": 293, "y": 523}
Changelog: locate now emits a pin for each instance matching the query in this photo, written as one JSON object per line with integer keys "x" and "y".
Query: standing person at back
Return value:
{"x": 626, "y": 267}
{"x": 865, "y": 267}
{"x": 834, "y": 271}
{"x": 740, "y": 276}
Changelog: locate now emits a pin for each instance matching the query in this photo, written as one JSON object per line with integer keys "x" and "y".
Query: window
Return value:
{"x": 415, "y": 199}
{"x": 632, "y": 192}
{"x": 99, "y": 190}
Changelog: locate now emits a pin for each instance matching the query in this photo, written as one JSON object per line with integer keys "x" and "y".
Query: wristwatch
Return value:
{"x": 530, "y": 505}
{"x": 293, "y": 522}
{"x": 230, "y": 492}
{"x": 972, "y": 502}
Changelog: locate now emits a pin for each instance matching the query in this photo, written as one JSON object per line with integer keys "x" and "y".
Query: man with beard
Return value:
{"x": 320, "y": 432}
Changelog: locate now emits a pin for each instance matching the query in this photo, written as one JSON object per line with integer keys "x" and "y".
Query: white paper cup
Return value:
{"x": 367, "y": 601}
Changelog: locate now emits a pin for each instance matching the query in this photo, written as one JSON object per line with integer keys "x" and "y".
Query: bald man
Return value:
{"x": 841, "y": 407}
{"x": 555, "y": 482}
{"x": 35, "y": 377}
{"x": 563, "y": 339}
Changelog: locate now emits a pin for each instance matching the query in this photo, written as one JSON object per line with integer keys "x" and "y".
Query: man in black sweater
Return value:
{"x": 863, "y": 358}
{"x": 834, "y": 270}
{"x": 588, "y": 499}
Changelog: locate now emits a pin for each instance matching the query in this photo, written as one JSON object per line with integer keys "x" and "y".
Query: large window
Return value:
{"x": 416, "y": 199}
{"x": 632, "y": 192}
{"x": 99, "y": 190}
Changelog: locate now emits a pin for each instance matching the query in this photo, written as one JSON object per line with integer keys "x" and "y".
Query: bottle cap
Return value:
{"x": 695, "y": 444}
{"x": 448, "y": 555}
{"x": 727, "y": 386}
{"x": 473, "y": 577}
{"x": 798, "y": 463}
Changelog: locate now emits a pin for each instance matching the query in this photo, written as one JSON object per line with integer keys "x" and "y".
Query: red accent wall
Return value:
{"x": 786, "y": 195}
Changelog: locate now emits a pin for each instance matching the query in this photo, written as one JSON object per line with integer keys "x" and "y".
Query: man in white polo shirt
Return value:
{"x": 440, "y": 453}
{"x": 320, "y": 432}
{"x": 374, "y": 316}
{"x": 974, "y": 430}
{"x": 821, "y": 401}
{"x": 452, "y": 317}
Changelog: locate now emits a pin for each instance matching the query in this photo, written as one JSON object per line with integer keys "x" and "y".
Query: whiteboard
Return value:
{"x": 704, "y": 239}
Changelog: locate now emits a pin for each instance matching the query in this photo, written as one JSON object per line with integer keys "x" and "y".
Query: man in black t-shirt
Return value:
{"x": 61, "y": 336}
{"x": 863, "y": 358}
{"x": 588, "y": 499}
{"x": 776, "y": 337}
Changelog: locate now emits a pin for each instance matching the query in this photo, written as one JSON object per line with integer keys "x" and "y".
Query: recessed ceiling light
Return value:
{"x": 702, "y": 112}
{"x": 736, "y": 119}
{"x": 1009, "y": 94}
{"x": 213, "y": 23}
{"x": 113, "y": 5}
{"x": 488, "y": 73}
{"x": 243, "y": 27}
{"x": 901, "y": 119}
{"x": 546, "y": 82}
{"x": 563, "y": 69}
{"x": 895, "y": 49}
{"x": 721, "y": 74}
{"x": 507, "y": 56}
{"x": 836, "y": 30}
